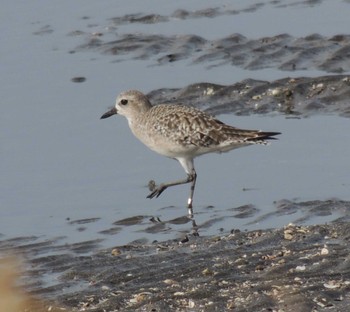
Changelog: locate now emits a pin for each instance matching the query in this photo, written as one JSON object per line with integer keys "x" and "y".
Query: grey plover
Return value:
{"x": 181, "y": 132}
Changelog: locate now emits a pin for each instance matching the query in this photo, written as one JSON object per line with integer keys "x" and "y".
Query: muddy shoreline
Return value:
{"x": 292, "y": 269}
{"x": 295, "y": 268}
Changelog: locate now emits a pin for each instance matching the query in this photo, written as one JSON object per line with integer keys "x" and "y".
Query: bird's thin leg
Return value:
{"x": 190, "y": 199}
{"x": 194, "y": 227}
{"x": 162, "y": 187}
{"x": 187, "y": 164}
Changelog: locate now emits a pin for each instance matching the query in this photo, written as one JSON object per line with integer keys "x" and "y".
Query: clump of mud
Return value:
{"x": 290, "y": 96}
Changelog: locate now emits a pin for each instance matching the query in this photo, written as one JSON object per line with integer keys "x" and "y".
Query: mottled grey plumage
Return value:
{"x": 181, "y": 132}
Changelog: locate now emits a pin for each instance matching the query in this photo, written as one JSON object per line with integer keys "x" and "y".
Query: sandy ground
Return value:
{"x": 291, "y": 269}
{"x": 296, "y": 268}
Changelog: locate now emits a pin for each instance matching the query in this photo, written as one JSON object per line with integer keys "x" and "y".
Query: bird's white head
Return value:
{"x": 130, "y": 104}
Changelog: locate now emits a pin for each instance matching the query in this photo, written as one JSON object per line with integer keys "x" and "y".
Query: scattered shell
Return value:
{"x": 105, "y": 287}
{"x": 209, "y": 91}
{"x": 207, "y": 272}
{"x": 300, "y": 268}
{"x": 322, "y": 302}
{"x": 332, "y": 285}
{"x": 191, "y": 303}
{"x": 140, "y": 297}
{"x": 115, "y": 252}
{"x": 318, "y": 86}
{"x": 224, "y": 283}
{"x": 276, "y": 91}
{"x": 288, "y": 236}
{"x": 170, "y": 282}
{"x": 324, "y": 251}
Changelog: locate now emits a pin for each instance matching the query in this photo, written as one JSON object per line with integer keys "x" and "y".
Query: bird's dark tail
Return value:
{"x": 261, "y": 136}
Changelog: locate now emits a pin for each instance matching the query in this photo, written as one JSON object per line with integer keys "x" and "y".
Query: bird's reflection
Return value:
{"x": 187, "y": 219}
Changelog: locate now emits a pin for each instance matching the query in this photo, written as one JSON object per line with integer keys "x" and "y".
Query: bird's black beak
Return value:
{"x": 110, "y": 113}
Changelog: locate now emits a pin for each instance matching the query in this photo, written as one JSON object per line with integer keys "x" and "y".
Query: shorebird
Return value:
{"x": 182, "y": 133}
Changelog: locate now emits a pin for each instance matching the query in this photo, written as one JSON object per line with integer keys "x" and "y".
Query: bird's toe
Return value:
{"x": 157, "y": 191}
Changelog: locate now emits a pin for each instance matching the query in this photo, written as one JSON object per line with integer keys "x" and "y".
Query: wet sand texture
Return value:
{"x": 296, "y": 268}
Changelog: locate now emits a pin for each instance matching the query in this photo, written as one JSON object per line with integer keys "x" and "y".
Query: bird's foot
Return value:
{"x": 157, "y": 191}
{"x": 152, "y": 185}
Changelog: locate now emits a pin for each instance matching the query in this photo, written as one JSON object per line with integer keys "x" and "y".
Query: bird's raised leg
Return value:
{"x": 162, "y": 187}
{"x": 187, "y": 164}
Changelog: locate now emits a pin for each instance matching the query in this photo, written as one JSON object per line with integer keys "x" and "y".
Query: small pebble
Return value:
{"x": 300, "y": 268}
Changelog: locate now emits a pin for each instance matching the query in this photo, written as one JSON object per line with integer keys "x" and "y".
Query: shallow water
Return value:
{"x": 115, "y": 187}
{"x": 60, "y": 163}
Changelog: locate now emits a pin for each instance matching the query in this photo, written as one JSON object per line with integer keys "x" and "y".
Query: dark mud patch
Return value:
{"x": 283, "y": 52}
{"x": 306, "y": 212}
{"x": 83, "y": 221}
{"x": 292, "y": 97}
{"x": 130, "y": 221}
{"x": 208, "y": 12}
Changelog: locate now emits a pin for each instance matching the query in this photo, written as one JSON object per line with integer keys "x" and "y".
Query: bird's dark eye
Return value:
{"x": 124, "y": 102}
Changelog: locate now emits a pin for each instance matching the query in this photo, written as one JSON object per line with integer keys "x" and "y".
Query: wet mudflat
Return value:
{"x": 296, "y": 268}
{"x": 291, "y": 269}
